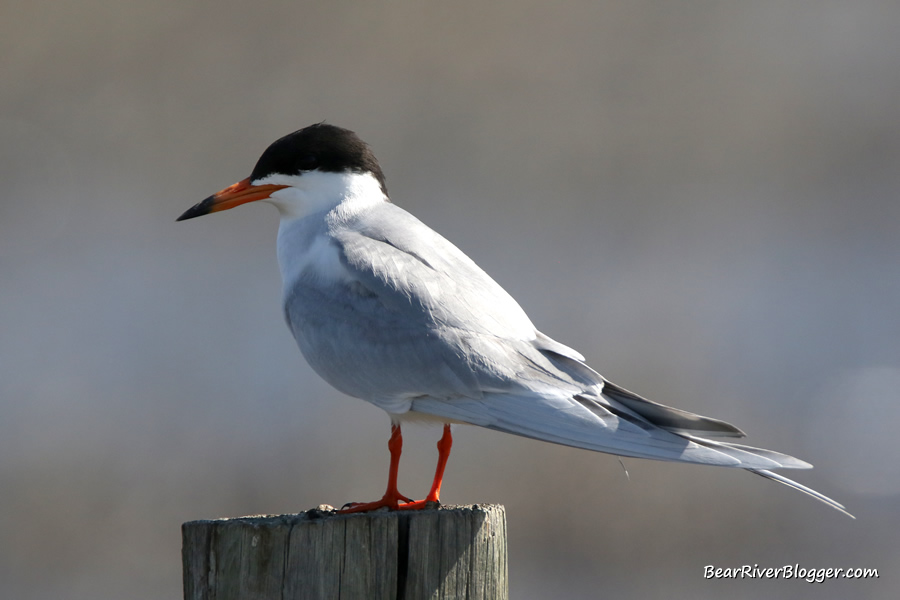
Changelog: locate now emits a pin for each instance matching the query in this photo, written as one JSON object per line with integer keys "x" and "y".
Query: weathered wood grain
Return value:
{"x": 456, "y": 552}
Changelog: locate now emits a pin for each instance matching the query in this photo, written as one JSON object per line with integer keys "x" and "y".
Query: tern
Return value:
{"x": 387, "y": 310}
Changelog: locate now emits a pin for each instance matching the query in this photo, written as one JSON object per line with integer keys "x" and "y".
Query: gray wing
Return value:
{"x": 417, "y": 272}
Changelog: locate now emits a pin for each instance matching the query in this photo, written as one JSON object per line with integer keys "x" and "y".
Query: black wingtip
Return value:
{"x": 198, "y": 210}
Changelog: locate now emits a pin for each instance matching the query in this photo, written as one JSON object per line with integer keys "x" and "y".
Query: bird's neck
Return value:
{"x": 317, "y": 192}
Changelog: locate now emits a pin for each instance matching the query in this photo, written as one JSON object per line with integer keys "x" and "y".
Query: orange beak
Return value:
{"x": 235, "y": 195}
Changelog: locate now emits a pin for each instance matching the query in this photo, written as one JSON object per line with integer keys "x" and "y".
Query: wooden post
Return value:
{"x": 454, "y": 552}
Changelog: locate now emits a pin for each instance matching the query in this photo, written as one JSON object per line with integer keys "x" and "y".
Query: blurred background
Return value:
{"x": 701, "y": 197}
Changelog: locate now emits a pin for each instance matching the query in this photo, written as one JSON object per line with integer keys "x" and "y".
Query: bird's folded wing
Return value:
{"x": 413, "y": 269}
{"x": 527, "y": 384}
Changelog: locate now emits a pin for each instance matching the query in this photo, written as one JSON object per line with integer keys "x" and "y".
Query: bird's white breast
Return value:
{"x": 317, "y": 257}
{"x": 309, "y": 208}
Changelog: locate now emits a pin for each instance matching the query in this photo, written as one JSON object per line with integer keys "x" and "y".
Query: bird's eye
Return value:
{"x": 309, "y": 162}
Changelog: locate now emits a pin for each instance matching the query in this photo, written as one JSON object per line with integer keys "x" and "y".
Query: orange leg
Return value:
{"x": 444, "y": 445}
{"x": 392, "y": 497}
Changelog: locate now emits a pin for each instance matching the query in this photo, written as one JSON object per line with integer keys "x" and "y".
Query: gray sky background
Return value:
{"x": 700, "y": 196}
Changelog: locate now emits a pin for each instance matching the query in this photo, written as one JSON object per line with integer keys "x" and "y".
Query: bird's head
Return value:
{"x": 308, "y": 170}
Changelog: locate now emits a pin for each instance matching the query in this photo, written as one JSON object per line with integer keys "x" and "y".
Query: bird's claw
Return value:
{"x": 390, "y": 502}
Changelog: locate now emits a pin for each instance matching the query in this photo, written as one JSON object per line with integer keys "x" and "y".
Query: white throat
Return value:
{"x": 317, "y": 191}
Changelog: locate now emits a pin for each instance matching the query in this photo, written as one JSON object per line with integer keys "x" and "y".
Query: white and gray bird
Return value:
{"x": 387, "y": 310}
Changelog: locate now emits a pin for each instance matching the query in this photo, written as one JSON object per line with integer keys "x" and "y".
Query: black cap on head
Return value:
{"x": 320, "y": 147}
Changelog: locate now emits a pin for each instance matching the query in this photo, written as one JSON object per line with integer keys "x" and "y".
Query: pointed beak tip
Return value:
{"x": 197, "y": 210}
